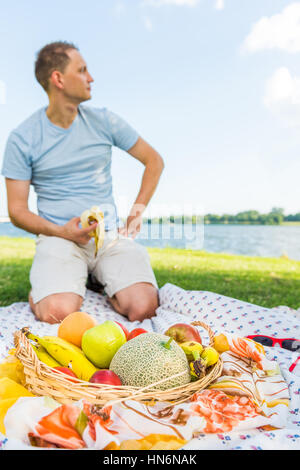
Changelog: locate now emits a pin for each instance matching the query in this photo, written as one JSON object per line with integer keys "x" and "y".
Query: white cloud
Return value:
{"x": 119, "y": 9}
{"x": 282, "y": 96}
{"x": 280, "y": 31}
{"x": 2, "y": 92}
{"x": 148, "y": 23}
{"x": 219, "y": 5}
{"x": 158, "y": 3}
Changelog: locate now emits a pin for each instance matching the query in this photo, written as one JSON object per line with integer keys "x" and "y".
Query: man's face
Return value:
{"x": 76, "y": 78}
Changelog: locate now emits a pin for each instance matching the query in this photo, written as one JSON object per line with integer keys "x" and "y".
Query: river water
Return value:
{"x": 251, "y": 240}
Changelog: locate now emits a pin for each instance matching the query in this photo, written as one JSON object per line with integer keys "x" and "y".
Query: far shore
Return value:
{"x": 288, "y": 224}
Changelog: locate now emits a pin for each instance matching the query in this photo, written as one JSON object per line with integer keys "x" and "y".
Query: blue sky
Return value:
{"x": 213, "y": 85}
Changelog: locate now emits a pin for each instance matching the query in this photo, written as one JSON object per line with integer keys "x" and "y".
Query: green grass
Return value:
{"x": 15, "y": 261}
{"x": 291, "y": 224}
{"x": 268, "y": 282}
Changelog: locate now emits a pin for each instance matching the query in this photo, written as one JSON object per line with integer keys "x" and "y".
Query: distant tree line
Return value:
{"x": 274, "y": 217}
{"x": 292, "y": 218}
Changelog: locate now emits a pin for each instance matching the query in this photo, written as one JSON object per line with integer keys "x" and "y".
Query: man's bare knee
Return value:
{"x": 31, "y": 303}
{"x": 54, "y": 308}
{"x": 144, "y": 308}
{"x": 131, "y": 311}
{"x": 136, "y": 302}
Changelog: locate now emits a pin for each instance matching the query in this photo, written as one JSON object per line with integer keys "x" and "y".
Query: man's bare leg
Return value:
{"x": 137, "y": 302}
{"x": 54, "y": 308}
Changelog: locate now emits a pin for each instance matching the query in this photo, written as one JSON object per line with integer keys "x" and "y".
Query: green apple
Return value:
{"x": 101, "y": 342}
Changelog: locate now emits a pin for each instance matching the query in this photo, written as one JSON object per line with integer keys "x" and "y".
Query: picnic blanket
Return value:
{"x": 244, "y": 409}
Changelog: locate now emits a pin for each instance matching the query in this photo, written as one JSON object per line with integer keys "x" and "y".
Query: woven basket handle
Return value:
{"x": 207, "y": 328}
{"x": 17, "y": 341}
{"x": 19, "y": 337}
{"x": 23, "y": 346}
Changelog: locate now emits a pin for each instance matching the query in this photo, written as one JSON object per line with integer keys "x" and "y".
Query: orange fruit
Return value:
{"x": 74, "y": 325}
{"x": 221, "y": 343}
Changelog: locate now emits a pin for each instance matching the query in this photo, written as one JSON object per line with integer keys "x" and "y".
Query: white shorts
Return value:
{"x": 61, "y": 265}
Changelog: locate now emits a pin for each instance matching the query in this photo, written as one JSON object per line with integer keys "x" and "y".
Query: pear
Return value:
{"x": 101, "y": 342}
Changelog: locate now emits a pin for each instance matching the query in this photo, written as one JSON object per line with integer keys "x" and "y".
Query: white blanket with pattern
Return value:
{"x": 222, "y": 314}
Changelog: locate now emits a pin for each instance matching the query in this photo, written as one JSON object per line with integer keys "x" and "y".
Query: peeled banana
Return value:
{"x": 44, "y": 356}
{"x": 90, "y": 216}
{"x": 67, "y": 354}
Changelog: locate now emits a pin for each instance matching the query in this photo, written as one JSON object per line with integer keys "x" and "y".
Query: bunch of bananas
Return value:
{"x": 89, "y": 217}
{"x": 199, "y": 358}
{"x": 55, "y": 351}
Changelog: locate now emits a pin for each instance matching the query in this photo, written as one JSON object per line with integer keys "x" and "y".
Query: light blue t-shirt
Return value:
{"x": 70, "y": 169}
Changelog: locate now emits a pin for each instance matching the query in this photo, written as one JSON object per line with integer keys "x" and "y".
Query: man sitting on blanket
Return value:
{"x": 64, "y": 150}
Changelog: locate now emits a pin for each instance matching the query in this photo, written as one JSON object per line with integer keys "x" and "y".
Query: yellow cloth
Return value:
{"x": 12, "y": 368}
{"x": 11, "y": 389}
{"x": 10, "y": 392}
{"x": 4, "y": 406}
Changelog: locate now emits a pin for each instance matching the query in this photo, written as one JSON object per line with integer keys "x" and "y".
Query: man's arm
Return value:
{"x": 154, "y": 166}
{"x": 22, "y": 217}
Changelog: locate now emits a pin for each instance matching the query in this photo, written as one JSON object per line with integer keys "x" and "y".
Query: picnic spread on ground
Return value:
{"x": 222, "y": 390}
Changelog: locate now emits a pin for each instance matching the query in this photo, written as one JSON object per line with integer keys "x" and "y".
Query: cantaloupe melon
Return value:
{"x": 146, "y": 359}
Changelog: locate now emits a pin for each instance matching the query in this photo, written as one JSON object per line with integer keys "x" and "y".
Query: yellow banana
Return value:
{"x": 67, "y": 354}
{"x": 90, "y": 216}
{"x": 210, "y": 356}
{"x": 197, "y": 369}
{"x": 192, "y": 350}
{"x": 44, "y": 356}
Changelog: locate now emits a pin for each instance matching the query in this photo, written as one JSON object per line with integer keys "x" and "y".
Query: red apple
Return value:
{"x": 136, "y": 332}
{"x": 105, "y": 376}
{"x": 183, "y": 332}
{"x": 67, "y": 371}
{"x": 124, "y": 329}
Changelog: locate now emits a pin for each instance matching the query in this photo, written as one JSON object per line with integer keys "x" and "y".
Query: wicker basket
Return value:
{"x": 42, "y": 381}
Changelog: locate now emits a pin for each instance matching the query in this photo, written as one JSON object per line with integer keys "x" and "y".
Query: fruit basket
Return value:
{"x": 42, "y": 380}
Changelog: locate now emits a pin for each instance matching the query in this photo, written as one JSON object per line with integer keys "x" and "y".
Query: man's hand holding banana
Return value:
{"x": 92, "y": 225}
{"x": 72, "y": 231}
{"x": 88, "y": 219}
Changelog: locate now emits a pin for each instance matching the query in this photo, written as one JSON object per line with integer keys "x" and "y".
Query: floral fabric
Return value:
{"x": 244, "y": 409}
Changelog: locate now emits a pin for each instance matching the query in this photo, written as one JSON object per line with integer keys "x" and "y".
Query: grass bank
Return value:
{"x": 291, "y": 224}
{"x": 268, "y": 282}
